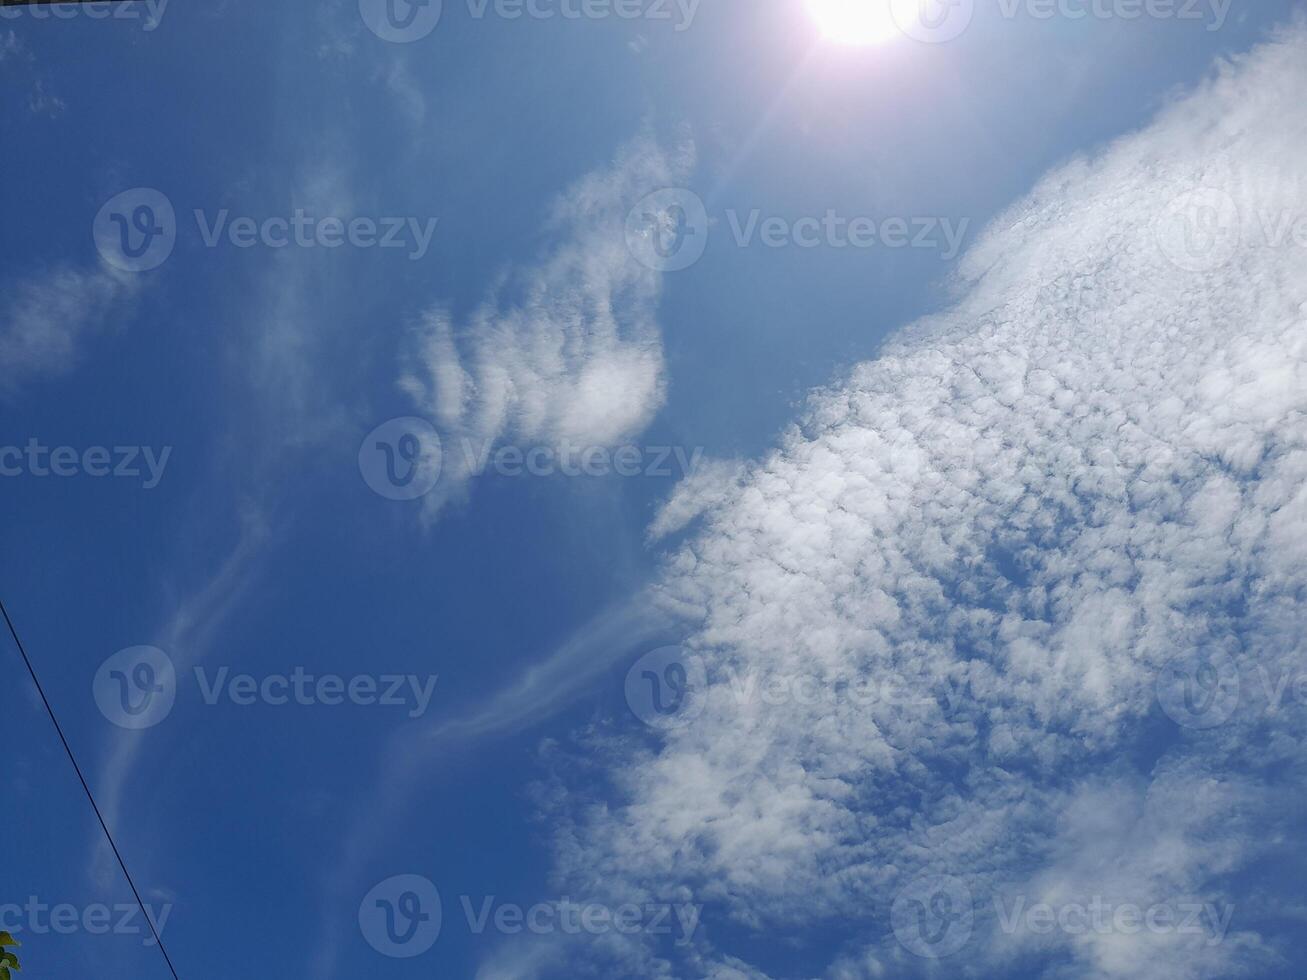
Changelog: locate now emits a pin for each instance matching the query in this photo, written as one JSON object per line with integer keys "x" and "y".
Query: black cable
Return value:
{"x": 87, "y": 789}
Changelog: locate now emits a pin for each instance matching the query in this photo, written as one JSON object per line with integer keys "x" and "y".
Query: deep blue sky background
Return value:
{"x": 235, "y": 814}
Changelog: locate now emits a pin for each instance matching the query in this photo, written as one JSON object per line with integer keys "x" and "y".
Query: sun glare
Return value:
{"x": 857, "y": 21}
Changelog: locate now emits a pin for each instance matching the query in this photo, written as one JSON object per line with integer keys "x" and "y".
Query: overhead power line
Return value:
{"x": 73, "y": 759}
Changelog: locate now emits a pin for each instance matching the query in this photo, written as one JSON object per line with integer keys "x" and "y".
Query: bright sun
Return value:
{"x": 859, "y": 21}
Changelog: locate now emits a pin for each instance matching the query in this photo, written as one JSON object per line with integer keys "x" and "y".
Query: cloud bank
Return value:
{"x": 1019, "y": 517}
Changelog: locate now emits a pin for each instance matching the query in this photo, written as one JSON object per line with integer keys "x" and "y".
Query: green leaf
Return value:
{"x": 9, "y": 959}
{"x": 8, "y": 940}
{"x": 4, "y": 973}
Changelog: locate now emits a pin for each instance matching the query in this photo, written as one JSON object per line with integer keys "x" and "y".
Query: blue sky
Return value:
{"x": 1015, "y": 483}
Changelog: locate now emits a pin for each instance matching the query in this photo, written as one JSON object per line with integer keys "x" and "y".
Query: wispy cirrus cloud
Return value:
{"x": 567, "y": 351}
{"x": 46, "y": 317}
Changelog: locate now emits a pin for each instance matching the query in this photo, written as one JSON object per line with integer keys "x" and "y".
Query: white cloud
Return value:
{"x": 45, "y": 319}
{"x": 1020, "y": 512}
{"x": 568, "y": 351}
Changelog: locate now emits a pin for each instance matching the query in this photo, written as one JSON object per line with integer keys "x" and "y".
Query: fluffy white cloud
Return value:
{"x": 1014, "y": 518}
{"x": 569, "y": 352}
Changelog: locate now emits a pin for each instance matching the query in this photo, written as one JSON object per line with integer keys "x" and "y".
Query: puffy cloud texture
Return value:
{"x": 1080, "y": 487}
